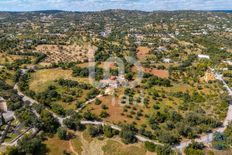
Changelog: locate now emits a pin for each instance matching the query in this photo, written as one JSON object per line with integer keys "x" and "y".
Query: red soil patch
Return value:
{"x": 114, "y": 109}
{"x": 157, "y": 72}
{"x": 110, "y": 65}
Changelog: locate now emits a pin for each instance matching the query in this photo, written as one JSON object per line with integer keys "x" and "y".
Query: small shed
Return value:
{"x": 202, "y": 56}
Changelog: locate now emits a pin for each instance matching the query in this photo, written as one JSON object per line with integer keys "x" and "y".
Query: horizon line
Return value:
{"x": 213, "y": 10}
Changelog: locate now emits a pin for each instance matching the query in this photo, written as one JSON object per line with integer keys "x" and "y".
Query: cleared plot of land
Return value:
{"x": 119, "y": 112}
{"x": 157, "y": 72}
{"x": 114, "y": 109}
{"x": 56, "y": 146}
{"x": 113, "y": 147}
{"x": 6, "y": 58}
{"x": 208, "y": 77}
{"x": 82, "y": 144}
{"x": 67, "y": 53}
{"x": 7, "y": 76}
{"x": 218, "y": 152}
{"x": 41, "y": 79}
{"x": 142, "y": 52}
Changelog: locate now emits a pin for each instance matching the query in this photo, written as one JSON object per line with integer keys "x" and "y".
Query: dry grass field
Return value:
{"x": 83, "y": 144}
{"x": 7, "y": 75}
{"x": 41, "y": 79}
{"x": 56, "y": 146}
{"x": 142, "y": 52}
{"x": 67, "y": 53}
{"x": 114, "y": 147}
{"x": 6, "y": 58}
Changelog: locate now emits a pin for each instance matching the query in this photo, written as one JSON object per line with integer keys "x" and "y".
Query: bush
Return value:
{"x": 74, "y": 123}
{"x": 79, "y": 104}
{"x": 195, "y": 148}
{"x": 108, "y": 131}
{"x": 220, "y": 141}
{"x": 150, "y": 146}
{"x": 104, "y": 114}
{"x": 50, "y": 124}
{"x": 160, "y": 150}
{"x": 62, "y": 133}
{"x": 128, "y": 134}
{"x": 29, "y": 146}
{"x": 98, "y": 102}
{"x": 89, "y": 116}
{"x": 169, "y": 137}
{"x": 95, "y": 131}
{"x": 104, "y": 107}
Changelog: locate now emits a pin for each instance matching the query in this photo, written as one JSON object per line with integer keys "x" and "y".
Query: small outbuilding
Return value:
{"x": 202, "y": 56}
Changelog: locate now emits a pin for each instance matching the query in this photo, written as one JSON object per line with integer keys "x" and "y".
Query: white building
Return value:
{"x": 202, "y": 56}
{"x": 167, "y": 60}
{"x": 228, "y": 62}
{"x": 8, "y": 116}
{"x": 161, "y": 49}
{"x": 3, "y": 105}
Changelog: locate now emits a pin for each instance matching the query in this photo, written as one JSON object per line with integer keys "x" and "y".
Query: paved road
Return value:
{"x": 209, "y": 137}
{"x": 32, "y": 101}
{"x": 84, "y": 105}
{"x": 25, "y": 98}
{"x": 204, "y": 139}
{"x": 15, "y": 141}
{"x": 59, "y": 118}
{"x": 87, "y": 102}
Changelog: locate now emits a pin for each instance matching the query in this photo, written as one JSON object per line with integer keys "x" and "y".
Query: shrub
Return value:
{"x": 195, "y": 148}
{"x": 95, "y": 131}
{"x": 104, "y": 114}
{"x": 62, "y": 133}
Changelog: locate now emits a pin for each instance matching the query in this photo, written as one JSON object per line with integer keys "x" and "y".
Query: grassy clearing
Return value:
{"x": 77, "y": 145}
{"x": 218, "y": 152}
{"x": 41, "y": 79}
{"x": 87, "y": 137}
{"x": 113, "y": 147}
{"x": 7, "y": 76}
{"x": 143, "y": 52}
{"x": 6, "y": 58}
{"x": 56, "y": 146}
{"x": 67, "y": 53}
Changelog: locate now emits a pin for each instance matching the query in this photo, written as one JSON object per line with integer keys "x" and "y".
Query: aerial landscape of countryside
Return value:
{"x": 117, "y": 77}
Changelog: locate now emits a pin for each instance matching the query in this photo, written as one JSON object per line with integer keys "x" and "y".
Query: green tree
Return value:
{"x": 62, "y": 133}
{"x": 50, "y": 123}
{"x": 195, "y": 148}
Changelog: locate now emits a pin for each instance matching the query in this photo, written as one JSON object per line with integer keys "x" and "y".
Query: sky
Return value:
{"x": 97, "y": 5}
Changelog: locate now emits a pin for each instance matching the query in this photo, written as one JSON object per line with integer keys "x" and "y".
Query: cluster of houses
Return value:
{"x": 106, "y": 32}
{"x": 113, "y": 82}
